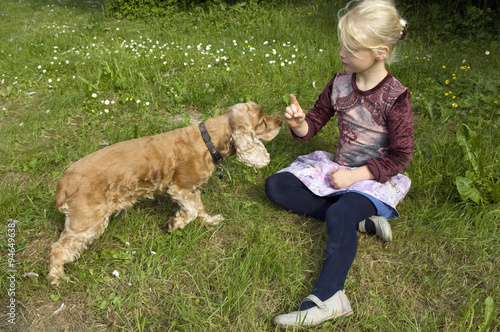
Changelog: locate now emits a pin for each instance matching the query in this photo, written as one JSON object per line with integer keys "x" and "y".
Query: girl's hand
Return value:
{"x": 341, "y": 178}
{"x": 294, "y": 115}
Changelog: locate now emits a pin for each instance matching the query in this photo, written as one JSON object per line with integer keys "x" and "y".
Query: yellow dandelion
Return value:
{"x": 454, "y": 105}
{"x": 444, "y": 67}
{"x": 447, "y": 81}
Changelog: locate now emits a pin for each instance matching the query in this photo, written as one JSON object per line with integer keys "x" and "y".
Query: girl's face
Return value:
{"x": 357, "y": 61}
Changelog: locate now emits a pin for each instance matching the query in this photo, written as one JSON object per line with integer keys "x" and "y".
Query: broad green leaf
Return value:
{"x": 489, "y": 313}
{"x": 470, "y": 144}
{"x": 467, "y": 190}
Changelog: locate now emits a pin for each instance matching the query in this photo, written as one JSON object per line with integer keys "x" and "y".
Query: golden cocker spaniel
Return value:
{"x": 178, "y": 163}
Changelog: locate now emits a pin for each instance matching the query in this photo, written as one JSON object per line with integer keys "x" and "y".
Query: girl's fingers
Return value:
{"x": 294, "y": 100}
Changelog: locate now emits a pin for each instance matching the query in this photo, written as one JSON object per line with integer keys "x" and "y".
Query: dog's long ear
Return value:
{"x": 249, "y": 149}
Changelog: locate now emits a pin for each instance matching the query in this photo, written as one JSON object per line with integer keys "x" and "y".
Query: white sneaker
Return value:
{"x": 382, "y": 228}
{"x": 336, "y": 306}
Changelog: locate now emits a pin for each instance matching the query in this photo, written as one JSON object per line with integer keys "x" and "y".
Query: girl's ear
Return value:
{"x": 383, "y": 52}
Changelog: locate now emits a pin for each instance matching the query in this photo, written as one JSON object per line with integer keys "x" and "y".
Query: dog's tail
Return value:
{"x": 61, "y": 197}
{"x": 65, "y": 190}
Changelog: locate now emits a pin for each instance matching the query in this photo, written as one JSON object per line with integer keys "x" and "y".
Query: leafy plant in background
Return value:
{"x": 445, "y": 91}
{"x": 478, "y": 184}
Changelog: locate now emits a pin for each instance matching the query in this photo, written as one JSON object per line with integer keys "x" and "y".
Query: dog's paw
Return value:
{"x": 175, "y": 224}
{"x": 214, "y": 220}
{"x": 55, "y": 280}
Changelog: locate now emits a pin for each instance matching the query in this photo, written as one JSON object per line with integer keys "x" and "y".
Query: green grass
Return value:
{"x": 115, "y": 80}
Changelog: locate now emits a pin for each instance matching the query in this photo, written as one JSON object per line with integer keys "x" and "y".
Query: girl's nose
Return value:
{"x": 342, "y": 52}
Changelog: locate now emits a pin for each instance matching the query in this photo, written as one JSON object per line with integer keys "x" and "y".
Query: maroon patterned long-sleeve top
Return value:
{"x": 376, "y": 126}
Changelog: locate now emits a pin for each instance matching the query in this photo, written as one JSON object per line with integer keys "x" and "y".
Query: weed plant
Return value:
{"x": 73, "y": 80}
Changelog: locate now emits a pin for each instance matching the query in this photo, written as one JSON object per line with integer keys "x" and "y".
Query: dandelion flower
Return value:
{"x": 444, "y": 67}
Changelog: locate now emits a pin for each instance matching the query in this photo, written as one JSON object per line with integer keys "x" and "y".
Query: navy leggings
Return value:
{"x": 342, "y": 215}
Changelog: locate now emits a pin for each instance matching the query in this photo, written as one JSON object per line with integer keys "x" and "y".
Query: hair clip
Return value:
{"x": 403, "y": 33}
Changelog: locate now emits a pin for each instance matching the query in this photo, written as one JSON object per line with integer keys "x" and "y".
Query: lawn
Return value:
{"x": 73, "y": 80}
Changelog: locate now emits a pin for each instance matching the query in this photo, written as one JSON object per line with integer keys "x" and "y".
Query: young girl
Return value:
{"x": 360, "y": 185}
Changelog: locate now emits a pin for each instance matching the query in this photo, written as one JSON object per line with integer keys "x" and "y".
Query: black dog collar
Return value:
{"x": 206, "y": 137}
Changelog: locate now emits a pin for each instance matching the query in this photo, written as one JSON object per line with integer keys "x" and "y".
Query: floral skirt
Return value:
{"x": 314, "y": 171}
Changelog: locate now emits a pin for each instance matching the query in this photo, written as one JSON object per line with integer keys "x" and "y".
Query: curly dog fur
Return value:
{"x": 177, "y": 163}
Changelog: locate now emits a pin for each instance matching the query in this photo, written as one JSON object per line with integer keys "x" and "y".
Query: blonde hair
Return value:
{"x": 371, "y": 24}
